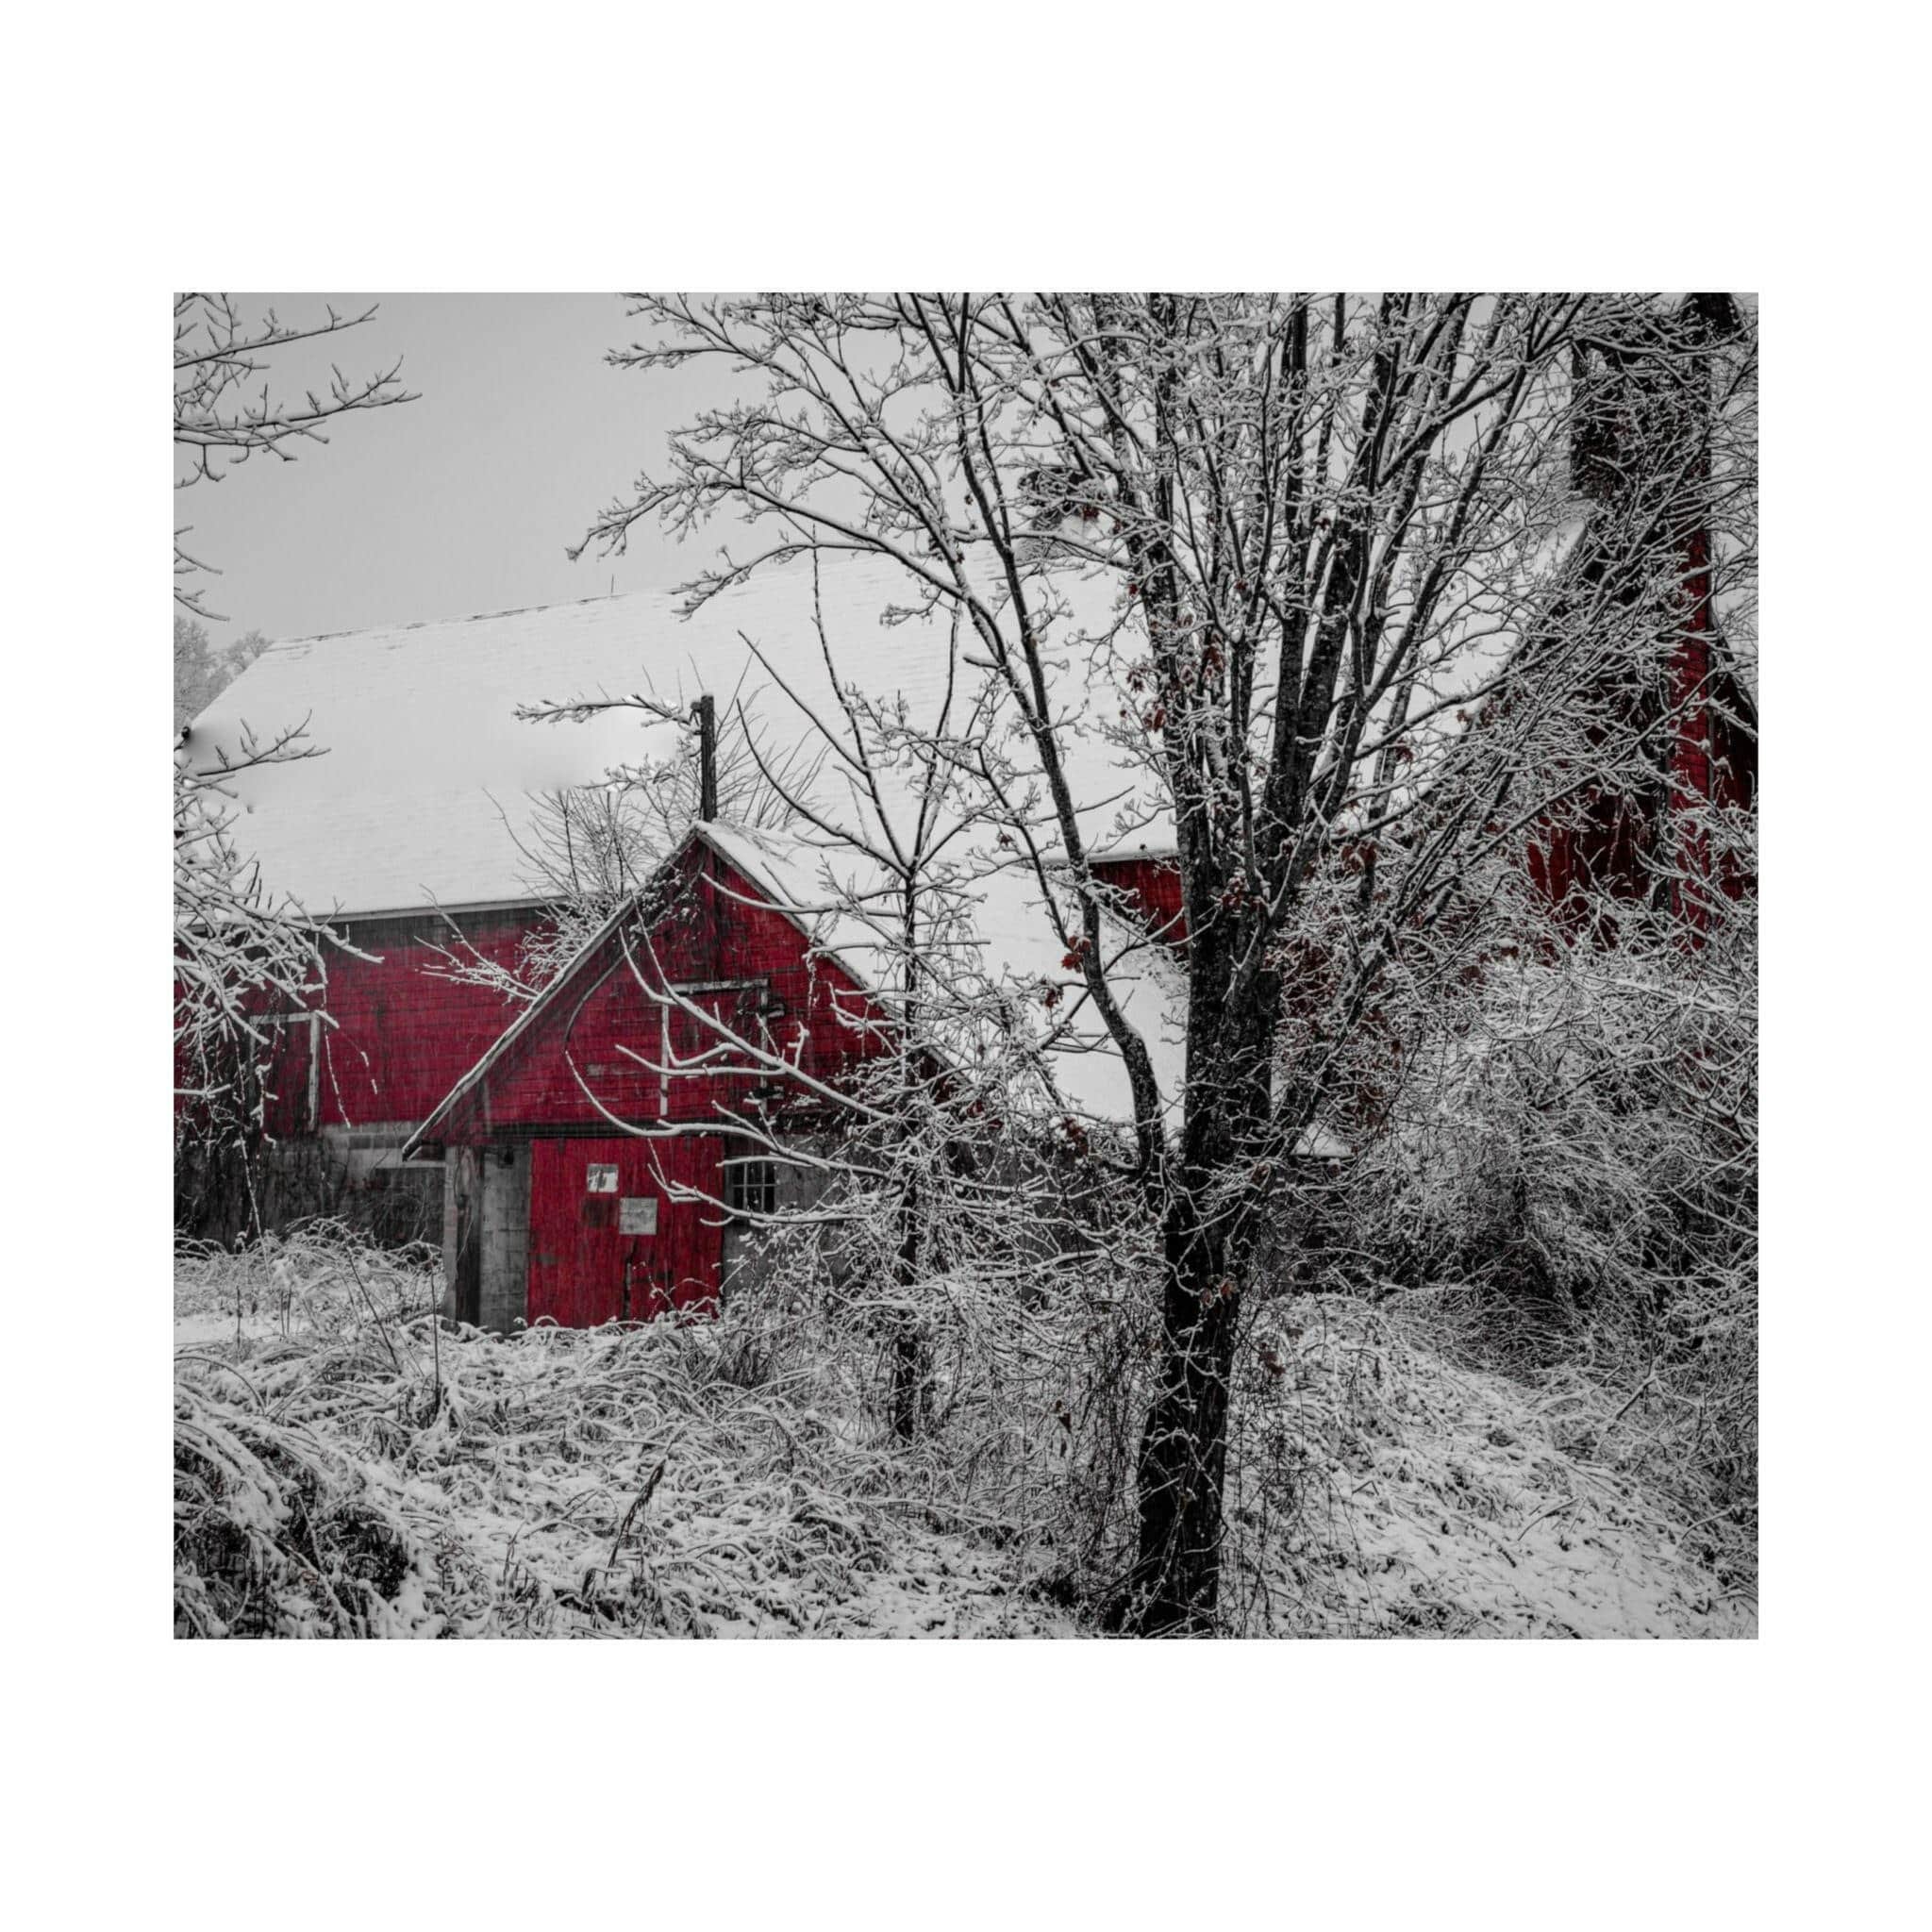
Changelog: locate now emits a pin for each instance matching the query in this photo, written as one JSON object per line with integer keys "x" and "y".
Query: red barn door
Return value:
{"x": 607, "y": 1240}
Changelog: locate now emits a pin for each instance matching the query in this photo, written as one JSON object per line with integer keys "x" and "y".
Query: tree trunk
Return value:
{"x": 1173, "y": 1588}
{"x": 912, "y": 1369}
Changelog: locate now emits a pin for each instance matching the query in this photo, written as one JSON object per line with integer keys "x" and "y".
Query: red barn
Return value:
{"x": 593, "y": 1170}
{"x": 418, "y": 837}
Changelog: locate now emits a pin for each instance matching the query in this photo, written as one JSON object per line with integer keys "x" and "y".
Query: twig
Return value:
{"x": 629, "y": 1515}
{"x": 1635, "y": 1395}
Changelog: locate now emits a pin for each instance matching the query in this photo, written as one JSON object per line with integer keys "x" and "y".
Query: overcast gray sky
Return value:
{"x": 460, "y": 502}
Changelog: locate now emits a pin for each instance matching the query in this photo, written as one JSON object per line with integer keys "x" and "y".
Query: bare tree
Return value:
{"x": 248, "y": 965}
{"x": 221, "y": 419}
{"x": 201, "y": 672}
{"x": 914, "y": 1187}
{"x": 1337, "y": 530}
{"x": 245, "y": 957}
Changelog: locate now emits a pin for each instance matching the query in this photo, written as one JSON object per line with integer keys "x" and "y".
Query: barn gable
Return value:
{"x": 589, "y": 1155}
{"x": 632, "y": 1036}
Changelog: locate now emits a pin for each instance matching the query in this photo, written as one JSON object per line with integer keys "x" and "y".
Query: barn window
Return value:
{"x": 600, "y": 1180}
{"x": 695, "y": 1042}
{"x": 751, "y": 1187}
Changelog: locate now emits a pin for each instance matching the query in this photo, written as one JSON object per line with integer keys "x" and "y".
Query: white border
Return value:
{"x": 432, "y": 148}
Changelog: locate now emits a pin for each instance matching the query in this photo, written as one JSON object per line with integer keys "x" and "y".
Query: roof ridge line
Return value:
{"x": 323, "y": 637}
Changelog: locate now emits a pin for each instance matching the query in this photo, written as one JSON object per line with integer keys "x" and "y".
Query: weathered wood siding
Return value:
{"x": 585, "y": 1267}
{"x": 1152, "y": 889}
{"x": 596, "y": 1056}
{"x": 403, "y": 1036}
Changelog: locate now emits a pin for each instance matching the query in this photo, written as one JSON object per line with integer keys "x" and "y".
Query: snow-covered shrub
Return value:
{"x": 1570, "y": 1173}
{"x": 1379, "y": 1487}
{"x": 349, "y": 1466}
{"x": 1032, "y": 1332}
{"x": 319, "y": 1277}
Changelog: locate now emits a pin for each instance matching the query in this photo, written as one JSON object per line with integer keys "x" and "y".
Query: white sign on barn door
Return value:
{"x": 637, "y": 1214}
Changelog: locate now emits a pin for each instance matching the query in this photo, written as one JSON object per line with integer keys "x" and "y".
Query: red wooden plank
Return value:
{"x": 1153, "y": 886}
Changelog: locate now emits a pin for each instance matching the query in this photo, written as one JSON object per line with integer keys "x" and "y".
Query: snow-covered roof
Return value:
{"x": 430, "y": 780}
{"x": 1018, "y": 951}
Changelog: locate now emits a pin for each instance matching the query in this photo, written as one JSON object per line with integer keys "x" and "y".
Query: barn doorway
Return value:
{"x": 464, "y": 1231}
{"x": 608, "y": 1242}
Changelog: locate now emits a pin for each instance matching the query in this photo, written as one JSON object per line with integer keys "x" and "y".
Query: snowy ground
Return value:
{"x": 1391, "y": 1492}
{"x": 343, "y": 1469}
{"x": 610, "y": 1483}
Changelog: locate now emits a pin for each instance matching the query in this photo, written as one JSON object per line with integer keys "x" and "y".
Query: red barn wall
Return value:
{"x": 403, "y": 1036}
{"x": 584, "y": 1269}
{"x": 1153, "y": 887}
{"x": 1616, "y": 844}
